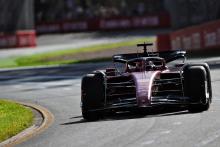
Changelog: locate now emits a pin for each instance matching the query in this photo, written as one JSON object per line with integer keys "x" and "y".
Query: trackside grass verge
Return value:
{"x": 67, "y": 56}
{"x": 13, "y": 119}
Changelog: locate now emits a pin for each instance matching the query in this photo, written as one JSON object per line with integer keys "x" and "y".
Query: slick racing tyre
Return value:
{"x": 197, "y": 86}
{"x": 92, "y": 96}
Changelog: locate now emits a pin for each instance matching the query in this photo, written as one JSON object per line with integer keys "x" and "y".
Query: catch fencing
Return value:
{"x": 191, "y": 12}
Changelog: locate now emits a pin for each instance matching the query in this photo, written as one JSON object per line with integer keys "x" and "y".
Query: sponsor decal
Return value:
{"x": 71, "y": 26}
{"x": 196, "y": 41}
{"x": 210, "y": 39}
{"x": 203, "y": 36}
{"x": 187, "y": 42}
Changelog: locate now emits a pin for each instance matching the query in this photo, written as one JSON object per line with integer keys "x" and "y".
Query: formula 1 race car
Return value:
{"x": 144, "y": 80}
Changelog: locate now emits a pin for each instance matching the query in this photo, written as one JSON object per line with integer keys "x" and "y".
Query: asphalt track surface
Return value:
{"x": 58, "y": 89}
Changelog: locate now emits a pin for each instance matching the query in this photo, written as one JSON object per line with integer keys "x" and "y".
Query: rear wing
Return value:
{"x": 168, "y": 56}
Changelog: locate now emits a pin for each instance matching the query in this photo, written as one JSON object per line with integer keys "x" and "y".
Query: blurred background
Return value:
{"x": 187, "y": 24}
{"x": 182, "y": 12}
{"x": 28, "y": 14}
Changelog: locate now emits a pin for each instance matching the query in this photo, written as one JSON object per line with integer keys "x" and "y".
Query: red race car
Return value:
{"x": 144, "y": 80}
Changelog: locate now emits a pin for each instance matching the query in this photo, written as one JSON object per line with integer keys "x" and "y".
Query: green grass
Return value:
{"x": 58, "y": 57}
{"x": 13, "y": 119}
{"x": 8, "y": 62}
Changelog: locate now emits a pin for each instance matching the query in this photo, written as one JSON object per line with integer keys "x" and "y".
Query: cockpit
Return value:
{"x": 145, "y": 64}
{"x": 141, "y": 64}
{"x": 147, "y": 61}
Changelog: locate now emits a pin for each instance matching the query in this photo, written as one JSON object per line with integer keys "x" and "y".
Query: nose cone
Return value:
{"x": 143, "y": 82}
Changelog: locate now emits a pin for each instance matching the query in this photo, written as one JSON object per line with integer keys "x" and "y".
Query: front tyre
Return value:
{"x": 92, "y": 96}
{"x": 89, "y": 115}
{"x": 197, "y": 86}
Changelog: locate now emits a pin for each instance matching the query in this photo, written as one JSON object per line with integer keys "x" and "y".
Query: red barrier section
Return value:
{"x": 149, "y": 21}
{"x": 26, "y": 38}
{"x": 163, "y": 42}
{"x": 201, "y": 37}
{"x": 19, "y": 39}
